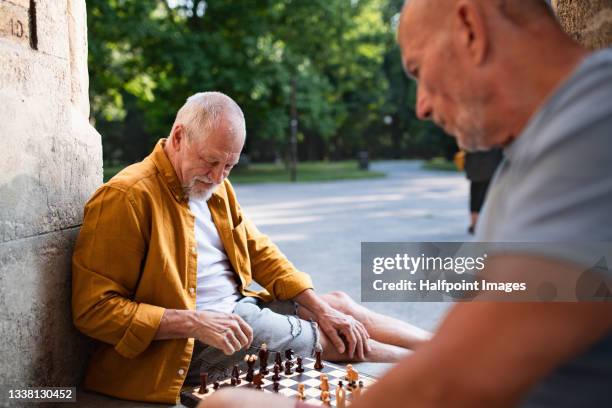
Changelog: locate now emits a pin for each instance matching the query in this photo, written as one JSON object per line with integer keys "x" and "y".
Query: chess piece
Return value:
{"x": 236, "y": 375}
{"x": 324, "y": 386}
{"x": 300, "y": 367}
{"x": 325, "y": 398}
{"x": 203, "y": 384}
{"x": 351, "y": 374}
{"x": 357, "y": 391}
{"x": 318, "y": 363}
{"x": 278, "y": 359}
{"x": 276, "y": 376}
{"x": 340, "y": 396}
{"x": 258, "y": 381}
{"x": 288, "y": 366}
{"x": 263, "y": 359}
{"x": 300, "y": 395}
{"x": 250, "y": 361}
{"x": 289, "y": 354}
{"x": 275, "y": 386}
{"x": 216, "y": 385}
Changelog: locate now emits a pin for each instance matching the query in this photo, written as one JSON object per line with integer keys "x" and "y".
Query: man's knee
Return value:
{"x": 339, "y": 300}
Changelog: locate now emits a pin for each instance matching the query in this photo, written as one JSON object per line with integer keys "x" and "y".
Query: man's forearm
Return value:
{"x": 176, "y": 324}
{"x": 311, "y": 301}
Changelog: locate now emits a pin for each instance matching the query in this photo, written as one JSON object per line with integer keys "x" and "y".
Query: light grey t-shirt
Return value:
{"x": 555, "y": 185}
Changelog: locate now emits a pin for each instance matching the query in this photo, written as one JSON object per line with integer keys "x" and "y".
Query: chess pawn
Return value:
{"x": 258, "y": 381}
{"x": 325, "y": 398}
{"x": 324, "y": 383}
{"x": 300, "y": 367}
{"x": 300, "y": 394}
{"x": 318, "y": 363}
{"x": 340, "y": 396}
{"x": 288, "y": 365}
{"x": 357, "y": 391}
{"x": 216, "y": 385}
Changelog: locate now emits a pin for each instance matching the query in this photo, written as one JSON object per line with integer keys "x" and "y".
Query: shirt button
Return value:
{"x": 194, "y": 250}
{"x": 192, "y": 290}
{"x": 181, "y": 371}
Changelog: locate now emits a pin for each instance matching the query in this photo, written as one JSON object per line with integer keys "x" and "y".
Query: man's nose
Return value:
{"x": 216, "y": 174}
{"x": 423, "y": 106}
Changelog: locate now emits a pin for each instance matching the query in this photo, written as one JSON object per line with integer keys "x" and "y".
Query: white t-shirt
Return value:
{"x": 217, "y": 288}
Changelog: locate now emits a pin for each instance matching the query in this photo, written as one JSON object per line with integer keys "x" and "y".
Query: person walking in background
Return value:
{"x": 479, "y": 169}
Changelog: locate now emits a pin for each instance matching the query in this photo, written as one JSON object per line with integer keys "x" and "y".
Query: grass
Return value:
{"x": 273, "y": 173}
{"x": 441, "y": 164}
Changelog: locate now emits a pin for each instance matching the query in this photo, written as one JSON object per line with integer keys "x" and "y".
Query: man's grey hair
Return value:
{"x": 203, "y": 111}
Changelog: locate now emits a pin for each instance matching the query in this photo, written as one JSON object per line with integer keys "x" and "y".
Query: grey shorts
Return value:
{"x": 275, "y": 323}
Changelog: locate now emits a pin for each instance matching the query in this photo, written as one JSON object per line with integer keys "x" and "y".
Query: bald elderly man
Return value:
{"x": 164, "y": 261}
{"x": 502, "y": 73}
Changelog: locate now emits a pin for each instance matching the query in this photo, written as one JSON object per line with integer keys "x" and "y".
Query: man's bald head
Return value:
{"x": 468, "y": 54}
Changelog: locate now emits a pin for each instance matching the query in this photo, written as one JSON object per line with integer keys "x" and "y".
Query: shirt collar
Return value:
{"x": 167, "y": 171}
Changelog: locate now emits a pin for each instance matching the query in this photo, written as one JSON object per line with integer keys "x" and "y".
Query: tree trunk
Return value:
{"x": 588, "y": 22}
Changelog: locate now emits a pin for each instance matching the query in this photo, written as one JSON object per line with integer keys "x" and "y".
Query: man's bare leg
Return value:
{"x": 382, "y": 329}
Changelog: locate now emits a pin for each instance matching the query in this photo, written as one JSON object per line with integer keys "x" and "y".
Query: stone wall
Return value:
{"x": 50, "y": 164}
{"x": 587, "y": 21}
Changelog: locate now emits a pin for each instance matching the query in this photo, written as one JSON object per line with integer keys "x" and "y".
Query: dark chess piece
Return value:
{"x": 250, "y": 360}
{"x": 318, "y": 364}
{"x": 300, "y": 367}
{"x": 288, "y": 366}
{"x": 289, "y": 354}
{"x": 276, "y": 376}
{"x": 203, "y": 384}
{"x": 278, "y": 360}
{"x": 263, "y": 359}
{"x": 216, "y": 385}
{"x": 275, "y": 386}
{"x": 258, "y": 381}
{"x": 236, "y": 375}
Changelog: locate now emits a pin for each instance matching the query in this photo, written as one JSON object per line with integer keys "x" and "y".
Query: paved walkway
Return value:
{"x": 320, "y": 226}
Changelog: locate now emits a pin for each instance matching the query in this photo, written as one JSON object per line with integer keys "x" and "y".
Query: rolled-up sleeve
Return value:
{"x": 106, "y": 269}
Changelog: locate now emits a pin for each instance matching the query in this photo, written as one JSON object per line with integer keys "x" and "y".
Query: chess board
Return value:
{"x": 288, "y": 384}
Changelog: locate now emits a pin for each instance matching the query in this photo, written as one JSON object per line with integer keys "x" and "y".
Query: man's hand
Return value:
{"x": 336, "y": 325}
{"x": 227, "y": 332}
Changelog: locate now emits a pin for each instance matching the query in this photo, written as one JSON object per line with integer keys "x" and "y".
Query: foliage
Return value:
{"x": 147, "y": 56}
{"x": 277, "y": 172}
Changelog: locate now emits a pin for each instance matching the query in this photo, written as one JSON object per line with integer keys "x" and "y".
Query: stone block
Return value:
{"x": 40, "y": 345}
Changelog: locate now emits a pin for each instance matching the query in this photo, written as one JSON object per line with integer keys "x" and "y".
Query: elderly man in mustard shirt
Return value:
{"x": 164, "y": 261}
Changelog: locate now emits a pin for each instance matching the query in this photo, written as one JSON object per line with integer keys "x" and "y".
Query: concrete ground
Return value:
{"x": 320, "y": 226}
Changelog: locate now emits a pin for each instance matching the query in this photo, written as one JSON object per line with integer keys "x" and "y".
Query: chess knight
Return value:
{"x": 164, "y": 259}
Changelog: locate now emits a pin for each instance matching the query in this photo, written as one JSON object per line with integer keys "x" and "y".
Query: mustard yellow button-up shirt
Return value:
{"x": 136, "y": 256}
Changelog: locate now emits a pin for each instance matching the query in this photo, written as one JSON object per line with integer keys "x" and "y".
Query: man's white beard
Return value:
{"x": 200, "y": 195}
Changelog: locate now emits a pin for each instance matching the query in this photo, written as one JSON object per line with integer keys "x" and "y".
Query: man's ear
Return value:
{"x": 472, "y": 30}
{"x": 177, "y": 137}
